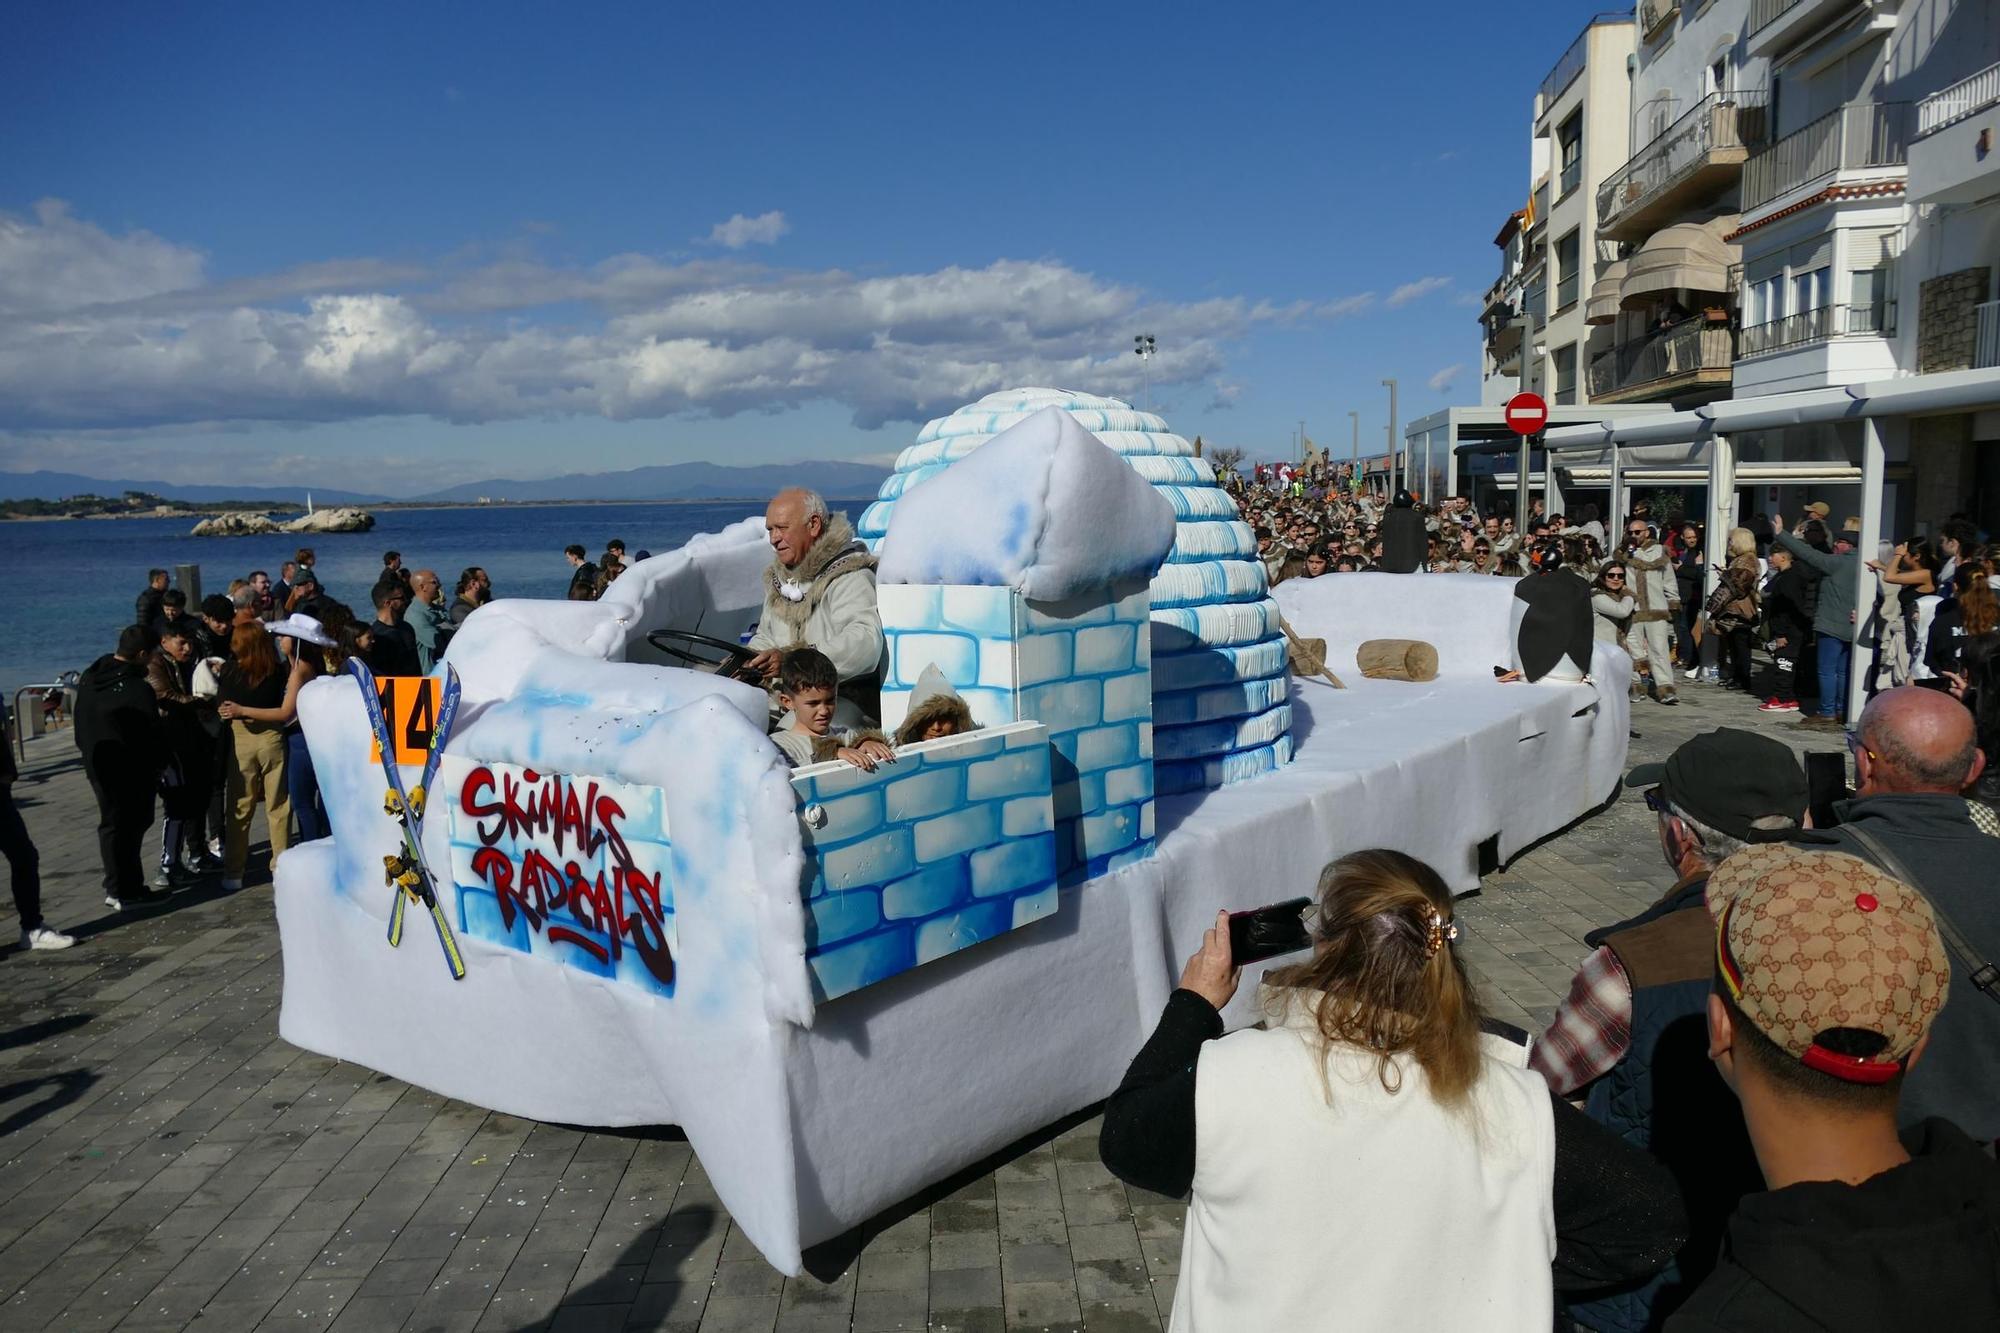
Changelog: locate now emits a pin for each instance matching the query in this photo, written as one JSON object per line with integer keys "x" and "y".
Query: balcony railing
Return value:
{"x": 1763, "y": 13}
{"x": 1986, "y": 352}
{"x": 1537, "y": 302}
{"x": 1572, "y": 62}
{"x": 1716, "y": 125}
{"x": 1817, "y": 325}
{"x": 1687, "y": 348}
{"x": 1566, "y": 291}
{"x": 1542, "y": 203}
{"x": 1967, "y": 97}
{"x": 1856, "y": 137}
{"x": 1572, "y": 176}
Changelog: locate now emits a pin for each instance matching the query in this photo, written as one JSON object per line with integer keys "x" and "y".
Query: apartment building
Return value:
{"x": 1665, "y": 293}
{"x": 1549, "y": 250}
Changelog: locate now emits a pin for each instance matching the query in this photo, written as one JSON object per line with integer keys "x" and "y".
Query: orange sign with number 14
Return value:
{"x": 410, "y": 707}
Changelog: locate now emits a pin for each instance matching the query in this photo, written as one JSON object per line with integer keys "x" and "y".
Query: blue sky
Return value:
{"x": 404, "y": 245}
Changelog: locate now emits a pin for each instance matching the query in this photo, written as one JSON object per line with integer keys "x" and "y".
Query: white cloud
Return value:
{"x": 1445, "y": 378}
{"x": 103, "y": 332}
{"x": 1346, "y": 305}
{"x": 1415, "y": 291}
{"x": 739, "y": 231}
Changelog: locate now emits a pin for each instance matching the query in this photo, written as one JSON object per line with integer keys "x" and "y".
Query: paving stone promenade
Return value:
{"x": 167, "y": 1161}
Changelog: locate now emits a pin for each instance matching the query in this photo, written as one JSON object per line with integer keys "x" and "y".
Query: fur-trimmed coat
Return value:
{"x": 834, "y": 609}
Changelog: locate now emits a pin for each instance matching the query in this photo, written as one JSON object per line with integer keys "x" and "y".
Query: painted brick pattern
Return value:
{"x": 952, "y": 844}
{"x": 1083, "y": 668}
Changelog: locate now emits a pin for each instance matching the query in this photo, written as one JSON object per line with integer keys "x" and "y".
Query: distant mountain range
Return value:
{"x": 682, "y": 481}
{"x": 46, "y": 485}
{"x": 676, "y": 481}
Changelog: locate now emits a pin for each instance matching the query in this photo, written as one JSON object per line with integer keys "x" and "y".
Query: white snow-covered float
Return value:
{"x": 845, "y": 986}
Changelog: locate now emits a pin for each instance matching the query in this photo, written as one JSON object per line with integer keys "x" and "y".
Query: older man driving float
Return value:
{"x": 820, "y": 592}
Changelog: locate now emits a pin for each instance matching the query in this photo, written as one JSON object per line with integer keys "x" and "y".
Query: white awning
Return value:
{"x": 1771, "y": 410}
{"x": 1602, "y": 307}
{"x": 1689, "y": 255}
{"x": 1919, "y": 395}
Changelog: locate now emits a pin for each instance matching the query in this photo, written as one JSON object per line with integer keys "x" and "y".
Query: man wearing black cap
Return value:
{"x": 1632, "y": 1030}
{"x": 1404, "y": 541}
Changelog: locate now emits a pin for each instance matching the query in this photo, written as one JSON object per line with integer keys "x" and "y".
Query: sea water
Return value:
{"x": 67, "y": 586}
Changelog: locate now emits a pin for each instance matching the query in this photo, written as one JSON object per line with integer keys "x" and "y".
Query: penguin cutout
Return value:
{"x": 1552, "y": 629}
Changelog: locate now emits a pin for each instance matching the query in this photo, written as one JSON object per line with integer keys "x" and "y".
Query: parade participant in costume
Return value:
{"x": 1657, "y": 595}
{"x": 1403, "y": 537}
{"x": 820, "y": 593}
{"x": 1553, "y": 628}
{"x": 936, "y": 710}
{"x": 806, "y": 686}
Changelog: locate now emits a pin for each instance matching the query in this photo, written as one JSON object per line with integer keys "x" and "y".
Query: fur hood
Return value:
{"x": 933, "y": 700}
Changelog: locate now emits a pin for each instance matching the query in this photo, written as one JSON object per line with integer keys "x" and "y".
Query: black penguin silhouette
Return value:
{"x": 1552, "y": 630}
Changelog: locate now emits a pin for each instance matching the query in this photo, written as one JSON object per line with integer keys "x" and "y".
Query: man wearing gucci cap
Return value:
{"x": 1631, "y": 1036}
{"x": 1828, "y": 974}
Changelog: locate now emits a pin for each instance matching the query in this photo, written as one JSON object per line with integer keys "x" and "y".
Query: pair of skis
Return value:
{"x": 407, "y": 873}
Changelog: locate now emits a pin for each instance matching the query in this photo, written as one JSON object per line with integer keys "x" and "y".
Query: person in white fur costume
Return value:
{"x": 819, "y": 592}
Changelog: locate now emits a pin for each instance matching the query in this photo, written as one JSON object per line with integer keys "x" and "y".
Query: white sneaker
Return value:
{"x": 215, "y": 848}
{"x": 231, "y": 885}
{"x": 41, "y": 937}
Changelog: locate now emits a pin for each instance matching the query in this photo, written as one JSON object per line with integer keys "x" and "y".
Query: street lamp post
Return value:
{"x": 1143, "y": 347}
{"x": 1392, "y": 438}
{"x": 1527, "y": 386}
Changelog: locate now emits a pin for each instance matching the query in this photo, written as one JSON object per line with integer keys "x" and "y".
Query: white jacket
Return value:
{"x": 1371, "y": 1210}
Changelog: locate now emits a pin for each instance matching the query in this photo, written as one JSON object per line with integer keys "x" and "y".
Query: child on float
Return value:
{"x": 807, "y": 688}
{"x": 936, "y": 710}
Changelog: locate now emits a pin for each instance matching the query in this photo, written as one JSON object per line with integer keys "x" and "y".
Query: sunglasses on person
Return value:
{"x": 1856, "y": 746}
{"x": 1656, "y": 801}
{"x": 1635, "y": 532}
{"x": 1613, "y": 576}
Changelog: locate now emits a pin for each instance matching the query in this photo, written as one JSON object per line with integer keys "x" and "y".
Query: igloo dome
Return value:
{"x": 1221, "y": 689}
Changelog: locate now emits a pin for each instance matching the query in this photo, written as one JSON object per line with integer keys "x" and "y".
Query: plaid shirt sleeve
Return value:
{"x": 1592, "y": 1028}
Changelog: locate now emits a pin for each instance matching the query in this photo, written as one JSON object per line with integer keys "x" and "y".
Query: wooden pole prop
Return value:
{"x": 1308, "y": 656}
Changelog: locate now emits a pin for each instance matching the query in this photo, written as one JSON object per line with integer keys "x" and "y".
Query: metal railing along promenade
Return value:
{"x": 1967, "y": 97}
{"x": 1855, "y": 137}
{"x": 1722, "y": 120}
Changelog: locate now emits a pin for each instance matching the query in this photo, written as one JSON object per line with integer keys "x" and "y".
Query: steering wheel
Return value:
{"x": 682, "y": 644}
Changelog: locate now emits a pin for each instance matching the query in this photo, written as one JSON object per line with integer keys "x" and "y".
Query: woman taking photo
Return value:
{"x": 1369, "y": 1160}
{"x": 252, "y": 690}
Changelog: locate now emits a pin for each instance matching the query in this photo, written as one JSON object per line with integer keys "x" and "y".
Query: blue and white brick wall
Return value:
{"x": 952, "y": 844}
{"x": 1083, "y": 668}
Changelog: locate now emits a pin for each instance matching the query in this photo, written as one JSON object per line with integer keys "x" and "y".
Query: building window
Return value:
{"x": 1570, "y": 140}
{"x": 1565, "y": 372}
{"x": 1568, "y": 278}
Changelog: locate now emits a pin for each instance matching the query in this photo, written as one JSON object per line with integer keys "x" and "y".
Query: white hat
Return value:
{"x": 296, "y": 626}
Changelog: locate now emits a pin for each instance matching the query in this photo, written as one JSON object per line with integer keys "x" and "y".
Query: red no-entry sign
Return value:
{"x": 1526, "y": 413}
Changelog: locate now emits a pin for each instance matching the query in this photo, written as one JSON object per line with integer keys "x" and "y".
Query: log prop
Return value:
{"x": 1397, "y": 659}
{"x": 1307, "y": 656}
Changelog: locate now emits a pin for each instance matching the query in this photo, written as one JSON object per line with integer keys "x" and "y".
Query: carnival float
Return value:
{"x": 843, "y": 985}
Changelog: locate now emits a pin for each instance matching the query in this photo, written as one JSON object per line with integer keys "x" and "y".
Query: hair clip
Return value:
{"x": 1440, "y": 931}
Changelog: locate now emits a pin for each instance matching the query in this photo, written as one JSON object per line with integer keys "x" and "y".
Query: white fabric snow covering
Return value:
{"x": 1042, "y": 508}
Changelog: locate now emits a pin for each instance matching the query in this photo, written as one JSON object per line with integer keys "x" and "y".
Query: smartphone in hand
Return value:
{"x": 1266, "y": 932}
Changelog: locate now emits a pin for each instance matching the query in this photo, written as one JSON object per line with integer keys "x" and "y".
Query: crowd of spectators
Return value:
{"x": 1768, "y": 1102}
{"x": 193, "y": 718}
{"x": 1778, "y": 622}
